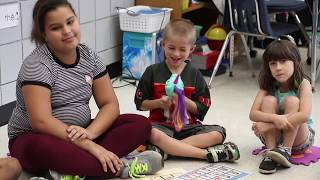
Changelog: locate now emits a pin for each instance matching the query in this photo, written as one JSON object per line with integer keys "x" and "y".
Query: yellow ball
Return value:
{"x": 216, "y": 33}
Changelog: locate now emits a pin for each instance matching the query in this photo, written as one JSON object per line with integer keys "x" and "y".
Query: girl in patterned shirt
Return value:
{"x": 51, "y": 127}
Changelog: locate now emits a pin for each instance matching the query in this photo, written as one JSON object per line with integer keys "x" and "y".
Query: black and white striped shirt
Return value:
{"x": 70, "y": 85}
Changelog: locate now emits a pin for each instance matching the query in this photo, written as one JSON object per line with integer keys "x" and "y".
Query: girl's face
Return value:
{"x": 62, "y": 29}
{"x": 282, "y": 70}
{"x": 177, "y": 50}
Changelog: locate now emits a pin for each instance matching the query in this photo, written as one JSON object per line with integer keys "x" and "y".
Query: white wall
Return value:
{"x": 100, "y": 29}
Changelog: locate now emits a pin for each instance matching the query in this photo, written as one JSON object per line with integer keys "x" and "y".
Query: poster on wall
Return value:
{"x": 9, "y": 15}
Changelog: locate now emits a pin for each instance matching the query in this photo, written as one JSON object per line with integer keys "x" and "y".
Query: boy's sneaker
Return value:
{"x": 155, "y": 148}
{"x": 267, "y": 166}
{"x": 281, "y": 156}
{"x": 146, "y": 162}
{"x": 223, "y": 152}
{"x": 56, "y": 176}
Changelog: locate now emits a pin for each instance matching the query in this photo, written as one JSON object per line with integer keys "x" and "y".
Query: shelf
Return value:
{"x": 176, "y": 5}
{"x": 193, "y": 7}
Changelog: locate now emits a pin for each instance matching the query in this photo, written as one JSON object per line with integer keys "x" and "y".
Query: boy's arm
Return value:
{"x": 191, "y": 106}
{"x": 148, "y": 105}
{"x": 201, "y": 100}
{"x": 142, "y": 98}
{"x": 163, "y": 103}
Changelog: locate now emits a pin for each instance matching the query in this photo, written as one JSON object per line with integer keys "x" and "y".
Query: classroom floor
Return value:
{"x": 232, "y": 98}
{"x": 231, "y": 102}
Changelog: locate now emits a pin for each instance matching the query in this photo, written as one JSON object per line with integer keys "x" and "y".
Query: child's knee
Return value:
{"x": 269, "y": 100}
{"x": 156, "y": 136}
{"x": 217, "y": 137}
{"x": 291, "y": 101}
{"x": 271, "y": 133}
{"x": 11, "y": 164}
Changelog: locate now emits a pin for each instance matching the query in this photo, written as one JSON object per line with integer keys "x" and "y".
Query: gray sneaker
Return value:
{"x": 146, "y": 162}
{"x": 281, "y": 156}
{"x": 267, "y": 166}
{"x": 223, "y": 152}
{"x": 155, "y": 148}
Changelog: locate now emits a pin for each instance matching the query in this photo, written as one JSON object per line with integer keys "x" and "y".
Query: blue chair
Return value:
{"x": 290, "y": 6}
{"x": 249, "y": 18}
{"x": 315, "y": 68}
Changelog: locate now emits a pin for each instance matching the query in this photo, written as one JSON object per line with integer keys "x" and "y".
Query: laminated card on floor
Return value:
{"x": 213, "y": 172}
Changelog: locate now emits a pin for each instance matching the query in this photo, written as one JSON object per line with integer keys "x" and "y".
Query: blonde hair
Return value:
{"x": 182, "y": 28}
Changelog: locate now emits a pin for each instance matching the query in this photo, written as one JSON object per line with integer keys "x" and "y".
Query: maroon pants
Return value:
{"x": 39, "y": 152}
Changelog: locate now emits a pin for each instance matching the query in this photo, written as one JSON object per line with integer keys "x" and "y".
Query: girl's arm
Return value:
{"x": 42, "y": 121}
{"x": 256, "y": 114}
{"x": 108, "y": 105}
{"x": 38, "y": 103}
{"x": 305, "y": 106}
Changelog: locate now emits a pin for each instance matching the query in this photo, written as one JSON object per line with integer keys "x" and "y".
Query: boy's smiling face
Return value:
{"x": 177, "y": 49}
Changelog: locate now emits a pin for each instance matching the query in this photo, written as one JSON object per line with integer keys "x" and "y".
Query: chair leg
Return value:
{"x": 300, "y": 26}
{"x": 314, "y": 64}
{"x": 231, "y": 56}
{"x": 309, "y": 54}
{"x": 244, "y": 42}
{"x": 253, "y": 53}
{"x": 221, "y": 54}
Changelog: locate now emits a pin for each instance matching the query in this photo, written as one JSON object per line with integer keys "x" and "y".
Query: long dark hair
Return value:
{"x": 40, "y": 10}
{"x": 279, "y": 50}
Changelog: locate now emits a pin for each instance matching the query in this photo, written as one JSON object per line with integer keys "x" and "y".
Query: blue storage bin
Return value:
{"x": 139, "y": 51}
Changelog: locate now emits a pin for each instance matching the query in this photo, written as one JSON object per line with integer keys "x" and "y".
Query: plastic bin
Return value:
{"x": 139, "y": 51}
{"x": 144, "y": 19}
{"x": 204, "y": 61}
